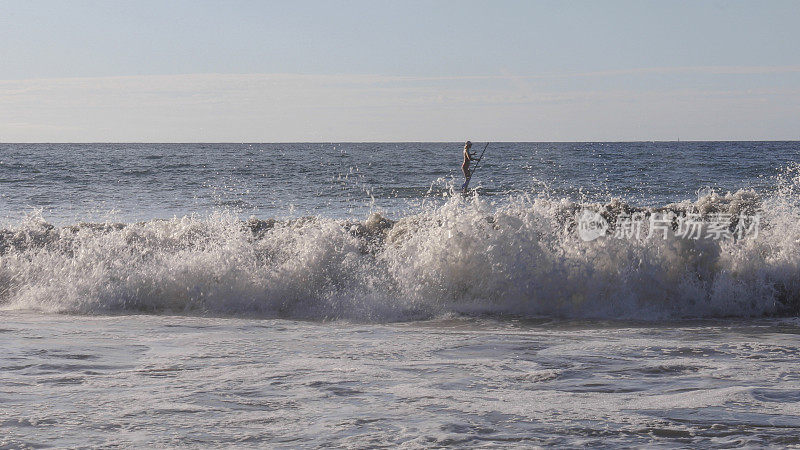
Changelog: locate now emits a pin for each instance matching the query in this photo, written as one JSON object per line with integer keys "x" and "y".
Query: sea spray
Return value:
{"x": 521, "y": 256}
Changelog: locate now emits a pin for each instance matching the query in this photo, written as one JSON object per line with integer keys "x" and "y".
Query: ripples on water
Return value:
{"x": 76, "y": 182}
{"x": 366, "y": 303}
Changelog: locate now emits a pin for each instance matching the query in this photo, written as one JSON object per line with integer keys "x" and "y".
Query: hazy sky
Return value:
{"x": 244, "y": 71}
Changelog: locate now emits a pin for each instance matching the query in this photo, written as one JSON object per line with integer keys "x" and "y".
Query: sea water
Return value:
{"x": 348, "y": 294}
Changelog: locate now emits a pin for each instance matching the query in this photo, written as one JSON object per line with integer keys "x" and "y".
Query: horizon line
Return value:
{"x": 402, "y": 142}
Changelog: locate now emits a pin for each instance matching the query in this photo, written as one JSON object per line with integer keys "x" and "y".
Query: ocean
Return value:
{"x": 349, "y": 294}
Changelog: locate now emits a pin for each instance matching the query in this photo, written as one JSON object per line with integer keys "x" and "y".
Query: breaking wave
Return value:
{"x": 522, "y": 256}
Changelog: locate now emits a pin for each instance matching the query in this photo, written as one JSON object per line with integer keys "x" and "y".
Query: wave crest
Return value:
{"x": 520, "y": 256}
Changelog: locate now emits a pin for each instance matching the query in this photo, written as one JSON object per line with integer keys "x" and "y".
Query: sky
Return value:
{"x": 379, "y": 70}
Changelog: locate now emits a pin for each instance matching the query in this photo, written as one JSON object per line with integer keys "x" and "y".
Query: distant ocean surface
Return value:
{"x": 348, "y": 294}
{"x": 71, "y": 183}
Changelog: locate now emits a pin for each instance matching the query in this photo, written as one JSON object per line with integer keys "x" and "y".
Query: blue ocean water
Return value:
{"x": 348, "y": 295}
{"x": 381, "y": 232}
{"x": 139, "y": 182}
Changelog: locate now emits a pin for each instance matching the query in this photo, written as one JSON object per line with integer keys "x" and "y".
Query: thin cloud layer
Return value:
{"x": 629, "y": 105}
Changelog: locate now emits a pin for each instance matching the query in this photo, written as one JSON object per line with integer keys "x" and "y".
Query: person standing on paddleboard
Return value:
{"x": 468, "y": 157}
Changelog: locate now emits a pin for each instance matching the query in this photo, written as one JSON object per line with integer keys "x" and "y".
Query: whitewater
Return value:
{"x": 309, "y": 295}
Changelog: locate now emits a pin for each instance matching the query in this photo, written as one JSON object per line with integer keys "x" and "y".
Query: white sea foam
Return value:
{"x": 520, "y": 256}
